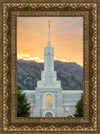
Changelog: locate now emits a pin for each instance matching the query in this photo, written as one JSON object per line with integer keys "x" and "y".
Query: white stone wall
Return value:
{"x": 69, "y": 100}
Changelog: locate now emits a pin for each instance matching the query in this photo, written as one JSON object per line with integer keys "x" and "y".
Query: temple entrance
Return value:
{"x": 48, "y": 114}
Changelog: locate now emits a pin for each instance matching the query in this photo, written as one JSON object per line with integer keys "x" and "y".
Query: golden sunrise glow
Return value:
{"x": 28, "y": 57}
{"x": 64, "y": 60}
{"x": 66, "y": 36}
{"x": 37, "y": 59}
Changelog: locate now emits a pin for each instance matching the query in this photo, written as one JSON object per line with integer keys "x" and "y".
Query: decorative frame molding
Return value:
{"x": 10, "y": 13}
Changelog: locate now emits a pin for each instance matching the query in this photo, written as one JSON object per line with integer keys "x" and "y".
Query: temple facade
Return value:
{"x": 48, "y": 99}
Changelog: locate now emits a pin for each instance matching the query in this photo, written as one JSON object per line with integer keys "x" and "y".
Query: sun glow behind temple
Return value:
{"x": 30, "y": 58}
{"x": 27, "y": 57}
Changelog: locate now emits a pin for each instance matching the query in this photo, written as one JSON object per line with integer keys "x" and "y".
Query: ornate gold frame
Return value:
{"x": 10, "y": 12}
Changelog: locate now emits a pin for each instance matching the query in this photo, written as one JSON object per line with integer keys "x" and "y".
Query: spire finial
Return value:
{"x": 49, "y": 29}
{"x": 49, "y": 33}
{"x": 49, "y": 23}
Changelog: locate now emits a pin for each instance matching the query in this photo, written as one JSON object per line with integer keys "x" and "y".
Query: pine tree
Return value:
{"x": 79, "y": 108}
{"x": 23, "y": 107}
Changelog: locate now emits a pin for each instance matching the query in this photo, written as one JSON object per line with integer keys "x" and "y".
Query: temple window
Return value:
{"x": 48, "y": 101}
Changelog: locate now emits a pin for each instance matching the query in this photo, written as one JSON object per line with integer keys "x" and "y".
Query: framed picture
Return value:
{"x": 49, "y": 67}
{"x": 51, "y": 77}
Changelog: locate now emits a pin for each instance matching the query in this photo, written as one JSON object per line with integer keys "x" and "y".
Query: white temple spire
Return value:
{"x": 49, "y": 75}
{"x": 49, "y": 34}
{"x": 49, "y": 30}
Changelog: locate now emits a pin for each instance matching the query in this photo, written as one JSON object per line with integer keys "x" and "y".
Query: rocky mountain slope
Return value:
{"x": 70, "y": 74}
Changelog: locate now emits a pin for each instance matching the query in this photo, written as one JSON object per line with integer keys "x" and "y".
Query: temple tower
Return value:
{"x": 48, "y": 97}
{"x": 48, "y": 76}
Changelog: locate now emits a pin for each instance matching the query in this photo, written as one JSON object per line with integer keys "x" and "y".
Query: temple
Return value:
{"x": 48, "y": 99}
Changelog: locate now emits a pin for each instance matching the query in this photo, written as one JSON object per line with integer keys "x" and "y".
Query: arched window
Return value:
{"x": 48, "y": 114}
{"x": 48, "y": 101}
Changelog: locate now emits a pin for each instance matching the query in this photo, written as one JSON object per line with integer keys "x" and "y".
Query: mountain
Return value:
{"x": 70, "y": 74}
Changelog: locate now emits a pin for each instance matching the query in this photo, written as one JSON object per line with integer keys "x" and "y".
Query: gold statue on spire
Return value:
{"x": 49, "y": 23}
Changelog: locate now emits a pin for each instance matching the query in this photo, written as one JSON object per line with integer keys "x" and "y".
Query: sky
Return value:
{"x": 66, "y": 36}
